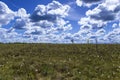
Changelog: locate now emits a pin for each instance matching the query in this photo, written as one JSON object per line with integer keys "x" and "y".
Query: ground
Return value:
{"x": 21, "y": 61}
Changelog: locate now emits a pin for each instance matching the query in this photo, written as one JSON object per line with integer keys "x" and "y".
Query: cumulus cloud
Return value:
{"x": 106, "y": 12}
{"x": 19, "y": 24}
{"x": 45, "y": 20}
{"x": 7, "y": 36}
{"x": 50, "y": 12}
{"x": 6, "y": 14}
{"x": 100, "y": 32}
{"x": 113, "y": 36}
{"x": 99, "y": 17}
{"x": 2, "y": 32}
{"x": 50, "y": 17}
{"x": 22, "y": 13}
{"x": 115, "y": 25}
{"x": 102, "y": 14}
{"x": 48, "y": 23}
{"x": 35, "y": 31}
{"x": 87, "y": 3}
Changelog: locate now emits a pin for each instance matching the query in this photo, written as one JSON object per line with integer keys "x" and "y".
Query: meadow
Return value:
{"x": 21, "y": 61}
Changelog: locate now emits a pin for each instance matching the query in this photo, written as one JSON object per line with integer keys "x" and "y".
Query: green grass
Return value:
{"x": 59, "y": 62}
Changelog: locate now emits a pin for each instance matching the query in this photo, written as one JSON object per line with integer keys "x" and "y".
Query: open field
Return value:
{"x": 59, "y": 62}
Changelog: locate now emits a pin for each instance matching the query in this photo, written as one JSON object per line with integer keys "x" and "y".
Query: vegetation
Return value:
{"x": 59, "y": 62}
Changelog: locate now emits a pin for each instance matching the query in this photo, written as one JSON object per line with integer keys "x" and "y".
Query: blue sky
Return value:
{"x": 59, "y": 21}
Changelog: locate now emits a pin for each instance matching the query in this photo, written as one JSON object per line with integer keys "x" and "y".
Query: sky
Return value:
{"x": 60, "y": 21}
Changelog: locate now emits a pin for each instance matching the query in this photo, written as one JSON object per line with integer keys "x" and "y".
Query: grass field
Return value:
{"x": 59, "y": 62}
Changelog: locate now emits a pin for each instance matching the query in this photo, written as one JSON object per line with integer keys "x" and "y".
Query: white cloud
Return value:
{"x": 106, "y": 12}
{"x": 7, "y": 36}
{"x": 22, "y": 13}
{"x": 79, "y": 2}
{"x": 46, "y": 22}
{"x": 55, "y": 8}
{"x": 100, "y": 32}
{"x": 3, "y": 33}
{"x": 88, "y": 3}
{"x": 113, "y": 36}
{"x": 50, "y": 12}
{"x": 96, "y": 24}
{"x": 115, "y": 25}
{"x": 6, "y": 14}
{"x": 99, "y": 17}
{"x": 50, "y": 18}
